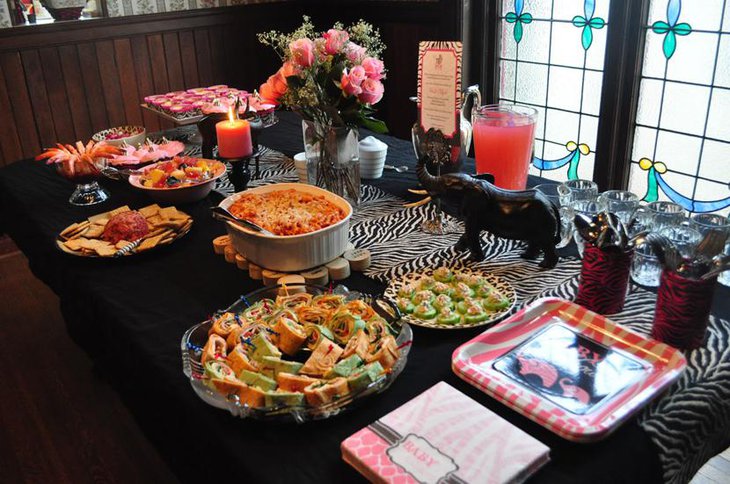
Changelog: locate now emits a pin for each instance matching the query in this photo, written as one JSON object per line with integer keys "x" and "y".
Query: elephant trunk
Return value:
{"x": 432, "y": 184}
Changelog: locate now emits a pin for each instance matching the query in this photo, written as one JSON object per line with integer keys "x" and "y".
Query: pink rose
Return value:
{"x": 335, "y": 40}
{"x": 302, "y": 52}
{"x": 355, "y": 53}
{"x": 372, "y": 91}
{"x": 373, "y": 68}
{"x": 357, "y": 75}
{"x": 348, "y": 87}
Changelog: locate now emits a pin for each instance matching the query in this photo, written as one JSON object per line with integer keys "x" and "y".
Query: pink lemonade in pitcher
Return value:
{"x": 503, "y": 139}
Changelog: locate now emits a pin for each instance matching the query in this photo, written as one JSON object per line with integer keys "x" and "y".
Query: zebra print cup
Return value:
{"x": 604, "y": 279}
{"x": 682, "y": 310}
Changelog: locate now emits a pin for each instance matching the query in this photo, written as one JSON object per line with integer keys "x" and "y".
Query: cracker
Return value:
{"x": 154, "y": 221}
{"x": 69, "y": 229}
{"x": 74, "y": 244}
{"x": 149, "y": 210}
{"x": 119, "y": 210}
{"x": 91, "y": 244}
{"x": 168, "y": 212}
{"x": 122, "y": 244}
{"x": 150, "y": 243}
{"x": 78, "y": 230}
{"x": 106, "y": 250}
{"x": 100, "y": 219}
{"x": 94, "y": 231}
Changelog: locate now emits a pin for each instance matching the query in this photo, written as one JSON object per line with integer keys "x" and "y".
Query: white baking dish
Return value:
{"x": 291, "y": 253}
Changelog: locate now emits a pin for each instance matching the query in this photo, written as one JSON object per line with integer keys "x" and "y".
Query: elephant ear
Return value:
{"x": 487, "y": 177}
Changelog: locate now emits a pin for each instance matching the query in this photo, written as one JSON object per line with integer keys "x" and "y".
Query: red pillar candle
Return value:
{"x": 234, "y": 138}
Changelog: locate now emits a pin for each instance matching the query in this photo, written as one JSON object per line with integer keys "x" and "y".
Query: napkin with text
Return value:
{"x": 443, "y": 436}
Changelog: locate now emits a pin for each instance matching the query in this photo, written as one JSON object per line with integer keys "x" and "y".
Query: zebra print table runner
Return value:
{"x": 688, "y": 425}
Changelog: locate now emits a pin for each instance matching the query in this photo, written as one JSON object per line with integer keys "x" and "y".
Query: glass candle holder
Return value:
{"x": 604, "y": 279}
{"x": 705, "y": 222}
{"x": 682, "y": 310}
{"x": 589, "y": 208}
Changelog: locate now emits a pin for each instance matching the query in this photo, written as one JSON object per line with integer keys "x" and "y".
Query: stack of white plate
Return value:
{"x": 372, "y": 157}
{"x": 300, "y": 162}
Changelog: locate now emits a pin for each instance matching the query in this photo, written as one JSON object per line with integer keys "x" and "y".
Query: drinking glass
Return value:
{"x": 703, "y": 223}
{"x": 573, "y": 190}
{"x": 503, "y": 138}
{"x": 620, "y": 202}
{"x": 589, "y": 208}
{"x": 656, "y": 215}
{"x": 552, "y": 193}
{"x": 646, "y": 268}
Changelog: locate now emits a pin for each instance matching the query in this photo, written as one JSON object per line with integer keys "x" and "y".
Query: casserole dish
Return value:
{"x": 291, "y": 253}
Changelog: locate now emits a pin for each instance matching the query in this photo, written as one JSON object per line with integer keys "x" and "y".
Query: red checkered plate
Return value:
{"x": 572, "y": 371}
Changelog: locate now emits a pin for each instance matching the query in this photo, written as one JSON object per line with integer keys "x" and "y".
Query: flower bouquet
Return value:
{"x": 332, "y": 80}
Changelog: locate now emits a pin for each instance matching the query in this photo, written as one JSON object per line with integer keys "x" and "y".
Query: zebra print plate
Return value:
{"x": 505, "y": 288}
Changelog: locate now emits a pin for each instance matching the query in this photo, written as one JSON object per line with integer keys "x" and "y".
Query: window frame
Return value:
{"x": 625, "y": 38}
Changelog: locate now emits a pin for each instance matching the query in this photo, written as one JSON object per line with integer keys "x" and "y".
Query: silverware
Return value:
{"x": 117, "y": 173}
{"x": 221, "y": 213}
{"x": 128, "y": 248}
{"x": 711, "y": 244}
{"x": 665, "y": 250}
{"x": 397, "y": 169}
{"x": 720, "y": 263}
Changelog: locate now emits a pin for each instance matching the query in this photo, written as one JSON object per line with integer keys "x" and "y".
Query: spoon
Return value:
{"x": 221, "y": 213}
{"x": 720, "y": 263}
{"x": 118, "y": 174}
{"x": 665, "y": 250}
{"x": 711, "y": 244}
{"x": 397, "y": 169}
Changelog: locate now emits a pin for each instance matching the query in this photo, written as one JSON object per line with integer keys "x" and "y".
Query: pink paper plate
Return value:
{"x": 573, "y": 371}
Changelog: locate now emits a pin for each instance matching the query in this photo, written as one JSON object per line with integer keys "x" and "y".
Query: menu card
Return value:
{"x": 439, "y": 86}
{"x": 443, "y": 436}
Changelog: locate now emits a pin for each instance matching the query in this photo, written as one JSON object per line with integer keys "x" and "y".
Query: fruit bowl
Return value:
{"x": 121, "y": 135}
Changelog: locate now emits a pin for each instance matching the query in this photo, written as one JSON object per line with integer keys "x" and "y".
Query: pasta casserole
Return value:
{"x": 287, "y": 212}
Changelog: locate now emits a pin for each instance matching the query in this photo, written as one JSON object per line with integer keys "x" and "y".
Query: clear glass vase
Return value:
{"x": 332, "y": 159}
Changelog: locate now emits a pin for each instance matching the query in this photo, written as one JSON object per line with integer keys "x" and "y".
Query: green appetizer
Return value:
{"x": 424, "y": 311}
{"x": 448, "y": 316}
{"x": 451, "y": 298}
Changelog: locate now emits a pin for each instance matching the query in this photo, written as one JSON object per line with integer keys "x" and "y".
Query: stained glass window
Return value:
{"x": 681, "y": 146}
{"x": 551, "y": 58}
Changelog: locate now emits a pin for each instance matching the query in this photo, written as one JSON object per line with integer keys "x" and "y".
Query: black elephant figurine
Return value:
{"x": 513, "y": 214}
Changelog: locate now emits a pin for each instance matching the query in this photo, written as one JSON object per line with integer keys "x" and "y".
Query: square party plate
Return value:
{"x": 572, "y": 371}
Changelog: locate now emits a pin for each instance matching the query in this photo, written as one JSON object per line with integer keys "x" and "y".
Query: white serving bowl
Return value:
{"x": 291, "y": 253}
{"x": 179, "y": 195}
{"x": 133, "y": 140}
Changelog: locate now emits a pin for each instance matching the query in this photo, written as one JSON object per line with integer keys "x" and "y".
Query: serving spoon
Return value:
{"x": 118, "y": 174}
{"x": 221, "y": 213}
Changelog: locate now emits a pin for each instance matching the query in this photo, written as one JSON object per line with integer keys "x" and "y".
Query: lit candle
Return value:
{"x": 234, "y": 137}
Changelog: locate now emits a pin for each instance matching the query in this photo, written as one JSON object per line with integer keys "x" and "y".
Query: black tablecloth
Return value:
{"x": 129, "y": 315}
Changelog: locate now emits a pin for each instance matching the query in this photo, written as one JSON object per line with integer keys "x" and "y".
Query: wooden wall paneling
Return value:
{"x": 187, "y": 57}
{"x": 92, "y": 86}
{"x": 156, "y": 49}
{"x": 57, "y": 96}
{"x": 20, "y": 102}
{"x": 173, "y": 63}
{"x": 38, "y": 96}
{"x": 218, "y": 58}
{"x": 10, "y": 148}
{"x": 74, "y": 84}
{"x": 145, "y": 83}
{"x": 110, "y": 82}
{"x": 202, "y": 50}
{"x": 157, "y": 63}
{"x": 128, "y": 81}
